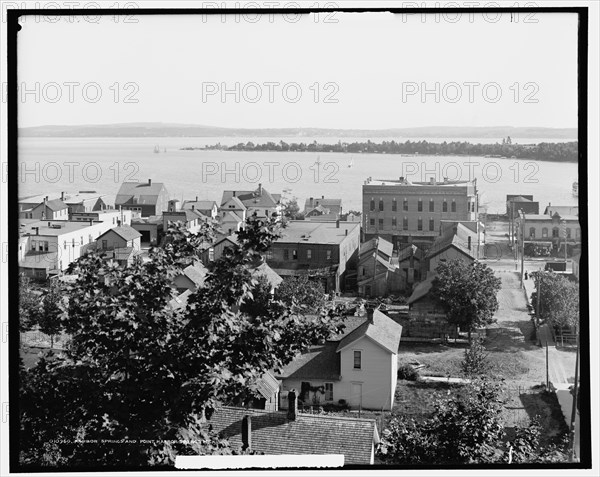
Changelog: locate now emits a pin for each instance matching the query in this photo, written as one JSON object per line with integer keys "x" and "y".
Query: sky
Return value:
{"x": 364, "y": 71}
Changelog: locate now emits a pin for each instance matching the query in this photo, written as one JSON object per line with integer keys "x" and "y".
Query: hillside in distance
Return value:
{"x": 196, "y": 130}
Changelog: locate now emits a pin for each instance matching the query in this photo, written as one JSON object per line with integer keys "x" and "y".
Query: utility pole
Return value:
{"x": 539, "y": 289}
{"x": 522, "y": 232}
{"x": 574, "y": 408}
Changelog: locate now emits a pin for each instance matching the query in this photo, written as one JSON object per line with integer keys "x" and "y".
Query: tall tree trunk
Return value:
{"x": 469, "y": 334}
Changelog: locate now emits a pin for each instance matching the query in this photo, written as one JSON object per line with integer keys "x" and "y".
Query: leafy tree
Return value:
{"x": 140, "y": 369}
{"x": 302, "y": 294}
{"x": 461, "y": 430}
{"x": 291, "y": 210}
{"x": 48, "y": 314}
{"x": 559, "y": 299}
{"x": 28, "y": 303}
{"x": 468, "y": 292}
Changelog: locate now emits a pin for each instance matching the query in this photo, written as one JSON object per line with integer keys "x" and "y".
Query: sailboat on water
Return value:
{"x": 351, "y": 163}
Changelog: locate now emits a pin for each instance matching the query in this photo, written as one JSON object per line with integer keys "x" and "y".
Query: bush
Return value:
{"x": 475, "y": 358}
{"x": 406, "y": 371}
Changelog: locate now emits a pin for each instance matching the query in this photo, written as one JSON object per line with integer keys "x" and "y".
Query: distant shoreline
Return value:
{"x": 553, "y": 152}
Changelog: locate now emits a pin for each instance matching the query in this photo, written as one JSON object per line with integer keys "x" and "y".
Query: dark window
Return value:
{"x": 394, "y": 222}
{"x": 394, "y": 205}
{"x": 555, "y": 232}
{"x": 431, "y": 206}
{"x": 372, "y": 204}
{"x": 568, "y": 233}
{"x": 544, "y": 232}
{"x": 420, "y": 205}
{"x": 405, "y": 204}
{"x": 357, "y": 359}
{"x": 380, "y": 223}
{"x": 453, "y": 205}
{"x": 328, "y": 391}
{"x": 532, "y": 232}
{"x": 431, "y": 225}
{"x": 380, "y": 204}
{"x": 286, "y": 254}
{"x": 444, "y": 206}
{"x": 309, "y": 254}
{"x": 328, "y": 254}
{"x": 420, "y": 224}
{"x": 372, "y": 222}
{"x": 294, "y": 254}
{"x": 405, "y": 223}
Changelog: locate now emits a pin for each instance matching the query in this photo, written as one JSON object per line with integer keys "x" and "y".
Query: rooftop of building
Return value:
{"x": 272, "y": 433}
{"x": 126, "y": 232}
{"x": 458, "y": 237}
{"x": 404, "y": 182}
{"x": 303, "y": 231}
{"x": 52, "y": 227}
{"x": 199, "y": 204}
{"x": 67, "y": 197}
{"x": 144, "y": 193}
{"x": 548, "y": 218}
{"x": 259, "y": 197}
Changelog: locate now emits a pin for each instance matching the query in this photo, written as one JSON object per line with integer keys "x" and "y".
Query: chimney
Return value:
{"x": 196, "y": 198}
{"x": 432, "y": 180}
{"x": 149, "y": 182}
{"x": 322, "y": 197}
{"x": 401, "y": 178}
{"x": 37, "y": 230}
{"x": 193, "y": 206}
{"x": 62, "y": 196}
{"x": 247, "y": 432}
{"x": 346, "y": 231}
{"x": 292, "y": 405}
{"x": 370, "y": 314}
{"x": 337, "y": 224}
{"x": 49, "y": 224}
{"x": 118, "y": 223}
{"x": 91, "y": 222}
{"x": 260, "y": 189}
{"x": 445, "y": 180}
{"x": 233, "y": 193}
{"x": 311, "y": 201}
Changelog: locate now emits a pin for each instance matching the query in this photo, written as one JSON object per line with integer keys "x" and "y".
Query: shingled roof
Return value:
{"x": 143, "y": 192}
{"x": 274, "y": 434}
{"x": 457, "y": 237}
{"x": 319, "y": 362}
{"x": 54, "y": 205}
{"x": 126, "y": 232}
{"x": 381, "y": 329}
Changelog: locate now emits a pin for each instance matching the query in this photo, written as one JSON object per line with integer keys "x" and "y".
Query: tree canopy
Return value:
{"x": 468, "y": 292}
{"x": 139, "y": 368}
{"x": 559, "y": 299}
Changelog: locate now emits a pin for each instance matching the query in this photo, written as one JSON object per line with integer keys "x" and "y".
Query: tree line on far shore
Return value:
{"x": 555, "y": 152}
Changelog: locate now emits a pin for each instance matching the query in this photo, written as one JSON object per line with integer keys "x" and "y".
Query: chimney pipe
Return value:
{"x": 149, "y": 182}
{"x": 233, "y": 193}
{"x": 346, "y": 231}
{"x": 196, "y": 198}
{"x": 62, "y": 196}
{"x": 322, "y": 197}
{"x": 91, "y": 222}
{"x": 260, "y": 189}
{"x": 37, "y": 230}
{"x": 193, "y": 206}
{"x": 247, "y": 432}
{"x": 48, "y": 224}
{"x": 311, "y": 201}
{"x": 337, "y": 224}
{"x": 292, "y": 405}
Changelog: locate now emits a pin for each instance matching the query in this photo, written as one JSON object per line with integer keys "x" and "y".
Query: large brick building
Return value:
{"x": 406, "y": 212}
